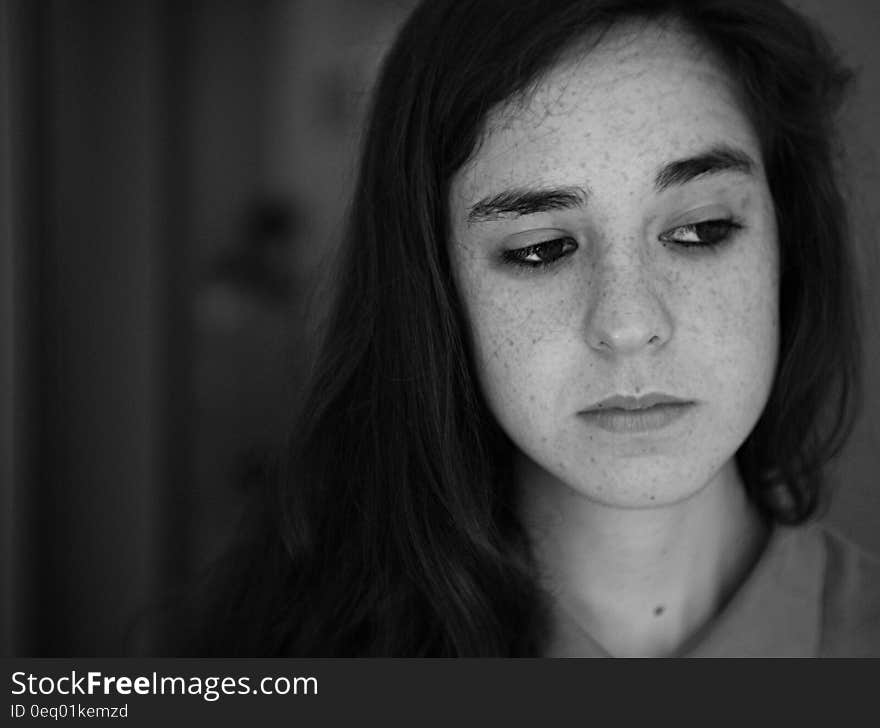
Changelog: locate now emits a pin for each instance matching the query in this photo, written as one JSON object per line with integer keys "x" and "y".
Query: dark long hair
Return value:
{"x": 392, "y": 530}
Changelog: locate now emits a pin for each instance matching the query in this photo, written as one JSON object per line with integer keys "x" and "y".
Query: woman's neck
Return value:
{"x": 639, "y": 582}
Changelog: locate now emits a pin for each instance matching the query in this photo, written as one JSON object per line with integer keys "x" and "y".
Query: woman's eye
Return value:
{"x": 541, "y": 254}
{"x": 705, "y": 234}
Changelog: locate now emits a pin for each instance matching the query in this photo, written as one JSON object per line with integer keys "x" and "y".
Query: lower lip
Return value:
{"x": 644, "y": 420}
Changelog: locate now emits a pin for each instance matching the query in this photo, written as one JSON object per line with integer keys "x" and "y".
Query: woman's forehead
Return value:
{"x": 641, "y": 96}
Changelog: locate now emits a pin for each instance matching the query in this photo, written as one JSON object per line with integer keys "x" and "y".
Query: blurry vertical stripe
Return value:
{"x": 7, "y": 330}
{"x": 89, "y": 481}
{"x": 19, "y": 370}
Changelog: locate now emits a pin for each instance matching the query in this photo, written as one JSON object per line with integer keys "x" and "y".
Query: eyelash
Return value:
{"x": 721, "y": 229}
{"x": 518, "y": 256}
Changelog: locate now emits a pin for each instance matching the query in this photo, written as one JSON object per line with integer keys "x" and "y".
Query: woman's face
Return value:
{"x": 614, "y": 237}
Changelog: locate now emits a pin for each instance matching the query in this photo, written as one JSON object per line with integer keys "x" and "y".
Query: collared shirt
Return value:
{"x": 812, "y": 593}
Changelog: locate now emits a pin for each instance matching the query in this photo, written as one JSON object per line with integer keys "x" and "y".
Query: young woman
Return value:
{"x": 594, "y": 344}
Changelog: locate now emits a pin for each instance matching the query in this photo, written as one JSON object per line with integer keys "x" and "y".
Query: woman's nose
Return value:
{"x": 627, "y": 314}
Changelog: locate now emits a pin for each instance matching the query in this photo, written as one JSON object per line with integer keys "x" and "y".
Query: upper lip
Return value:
{"x": 629, "y": 402}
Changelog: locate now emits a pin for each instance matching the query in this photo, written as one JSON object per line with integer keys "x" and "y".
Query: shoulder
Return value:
{"x": 850, "y": 599}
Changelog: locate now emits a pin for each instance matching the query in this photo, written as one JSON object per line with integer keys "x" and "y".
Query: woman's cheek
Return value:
{"x": 526, "y": 349}
{"x": 740, "y": 331}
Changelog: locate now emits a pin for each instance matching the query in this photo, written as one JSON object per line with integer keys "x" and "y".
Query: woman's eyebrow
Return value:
{"x": 721, "y": 158}
{"x": 526, "y": 201}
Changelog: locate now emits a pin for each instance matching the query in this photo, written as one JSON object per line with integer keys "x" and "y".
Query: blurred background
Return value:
{"x": 173, "y": 176}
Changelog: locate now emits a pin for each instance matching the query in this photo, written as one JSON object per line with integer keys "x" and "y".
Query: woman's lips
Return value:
{"x": 655, "y": 417}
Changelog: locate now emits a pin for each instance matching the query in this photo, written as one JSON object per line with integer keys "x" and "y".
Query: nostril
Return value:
{"x": 625, "y": 338}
